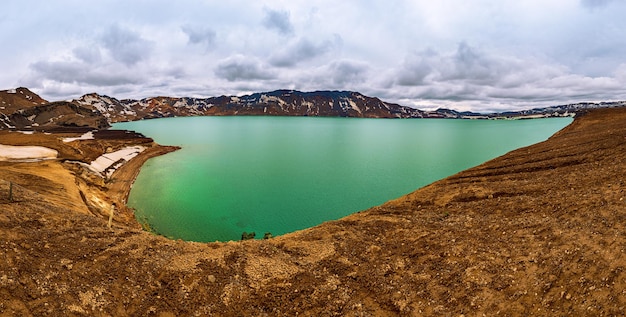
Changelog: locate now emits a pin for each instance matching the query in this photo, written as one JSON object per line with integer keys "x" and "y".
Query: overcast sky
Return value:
{"x": 467, "y": 55}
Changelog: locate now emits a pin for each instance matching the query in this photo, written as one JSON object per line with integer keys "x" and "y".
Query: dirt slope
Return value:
{"x": 19, "y": 98}
{"x": 539, "y": 231}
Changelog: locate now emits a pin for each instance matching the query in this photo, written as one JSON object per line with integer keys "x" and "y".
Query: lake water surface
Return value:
{"x": 282, "y": 174}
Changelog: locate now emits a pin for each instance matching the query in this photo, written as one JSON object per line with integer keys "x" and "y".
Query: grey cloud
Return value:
{"x": 415, "y": 68}
{"x": 81, "y": 73}
{"x": 88, "y": 54}
{"x": 451, "y": 91}
{"x": 199, "y": 35}
{"x": 551, "y": 90}
{"x": 123, "y": 90}
{"x": 466, "y": 65}
{"x": 303, "y": 50}
{"x": 126, "y": 46}
{"x": 59, "y": 92}
{"x": 529, "y": 53}
{"x": 468, "y": 74}
{"x": 278, "y": 20}
{"x": 239, "y": 67}
{"x": 347, "y": 72}
{"x": 595, "y": 3}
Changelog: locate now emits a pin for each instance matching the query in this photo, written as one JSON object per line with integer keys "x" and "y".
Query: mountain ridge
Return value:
{"x": 20, "y": 108}
{"x": 278, "y": 102}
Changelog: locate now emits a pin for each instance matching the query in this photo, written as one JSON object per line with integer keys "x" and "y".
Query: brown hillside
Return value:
{"x": 21, "y": 109}
{"x": 538, "y": 231}
{"x": 21, "y": 98}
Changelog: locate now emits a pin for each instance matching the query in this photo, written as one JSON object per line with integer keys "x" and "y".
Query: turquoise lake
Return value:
{"x": 282, "y": 174}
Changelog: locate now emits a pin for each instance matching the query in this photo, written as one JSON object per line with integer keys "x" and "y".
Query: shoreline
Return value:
{"x": 121, "y": 181}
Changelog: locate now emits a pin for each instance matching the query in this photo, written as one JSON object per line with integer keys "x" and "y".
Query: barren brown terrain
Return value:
{"x": 539, "y": 231}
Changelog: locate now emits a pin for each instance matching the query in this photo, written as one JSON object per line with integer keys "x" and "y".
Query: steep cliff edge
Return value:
{"x": 538, "y": 231}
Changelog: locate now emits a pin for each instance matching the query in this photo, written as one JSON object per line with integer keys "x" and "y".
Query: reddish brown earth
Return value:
{"x": 539, "y": 231}
{"x": 17, "y": 99}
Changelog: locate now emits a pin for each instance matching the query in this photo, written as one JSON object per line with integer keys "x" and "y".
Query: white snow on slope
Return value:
{"x": 105, "y": 162}
{"x": 86, "y": 136}
{"x": 354, "y": 105}
{"x": 26, "y": 153}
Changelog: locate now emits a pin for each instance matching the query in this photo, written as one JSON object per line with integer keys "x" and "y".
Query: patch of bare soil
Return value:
{"x": 538, "y": 231}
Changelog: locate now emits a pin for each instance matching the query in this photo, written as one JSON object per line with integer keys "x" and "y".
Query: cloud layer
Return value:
{"x": 487, "y": 55}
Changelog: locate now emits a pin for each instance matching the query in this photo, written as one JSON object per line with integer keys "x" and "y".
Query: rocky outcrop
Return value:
{"x": 55, "y": 116}
{"x": 22, "y": 109}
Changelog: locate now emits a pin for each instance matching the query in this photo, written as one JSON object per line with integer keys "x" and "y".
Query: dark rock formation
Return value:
{"x": 54, "y": 115}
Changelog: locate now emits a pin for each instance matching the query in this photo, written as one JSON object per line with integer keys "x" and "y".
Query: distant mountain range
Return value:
{"x": 20, "y": 108}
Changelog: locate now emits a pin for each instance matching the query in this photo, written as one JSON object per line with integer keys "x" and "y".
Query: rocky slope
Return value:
{"x": 538, "y": 231}
{"x": 552, "y": 111}
{"x": 19, "y": 98}
{"x": 24, "y": 110}
{"x": 280, "y": 103}
{"x": 296, "y": 103}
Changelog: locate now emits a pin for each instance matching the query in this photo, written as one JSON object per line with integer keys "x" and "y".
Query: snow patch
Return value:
{"x": 107, "y": 163}
{"x": 11, "y": 91}
{"x": 86, "y": 136}
{"x": 26, "y": 153}
{"x": 179, "y": 104}
{"x": 354, "y": 106}
{"x": 266, "y": 99}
